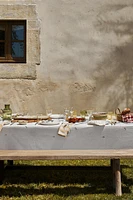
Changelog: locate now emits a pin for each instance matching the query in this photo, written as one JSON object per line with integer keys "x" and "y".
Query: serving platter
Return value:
{"x": 32, "y": 118}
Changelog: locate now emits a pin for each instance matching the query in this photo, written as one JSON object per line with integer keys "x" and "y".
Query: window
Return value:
{"x": 13, "y": 41}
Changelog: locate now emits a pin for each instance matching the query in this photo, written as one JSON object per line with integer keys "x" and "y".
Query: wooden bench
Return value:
{"x": 113, "y": 155}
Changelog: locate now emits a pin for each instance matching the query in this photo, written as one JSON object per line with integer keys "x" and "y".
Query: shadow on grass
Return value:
{"x": 60, "y": 180}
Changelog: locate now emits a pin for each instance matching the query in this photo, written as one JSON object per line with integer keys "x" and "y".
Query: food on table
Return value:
{"x": 125, "y": 111}
{"x": 22, "y": 122}
{"x": 100, "y": 116}
{"x": 75, "y": 119}
{"x": 32, "y": 118}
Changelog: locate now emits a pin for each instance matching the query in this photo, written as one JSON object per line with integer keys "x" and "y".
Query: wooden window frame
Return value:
{"x": 8, "y": 41}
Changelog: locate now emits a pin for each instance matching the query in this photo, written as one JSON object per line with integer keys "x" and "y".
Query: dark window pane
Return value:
{"x": 17, "y": 49}
{"x": 2, "y": 32}
{"x": 17, "y": 32}
{"x": 2, "y": 49}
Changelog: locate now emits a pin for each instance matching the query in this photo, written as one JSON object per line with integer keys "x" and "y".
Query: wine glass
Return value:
{"x": 89, "y": 113}
{"x": 71, "y": 111}
{"x": 66, "y": 111}
{"x": 49, "y": 112}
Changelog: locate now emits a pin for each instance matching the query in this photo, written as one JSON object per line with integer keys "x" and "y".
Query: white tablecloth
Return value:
{"x": 81, "y": 136}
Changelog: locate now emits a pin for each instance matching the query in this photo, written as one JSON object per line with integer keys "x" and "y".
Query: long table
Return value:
{"x": 82, "y": 142}
{"x": 81, "y": 137}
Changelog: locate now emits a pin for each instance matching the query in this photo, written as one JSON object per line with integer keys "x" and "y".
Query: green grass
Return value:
{"x": 65, "y": 180}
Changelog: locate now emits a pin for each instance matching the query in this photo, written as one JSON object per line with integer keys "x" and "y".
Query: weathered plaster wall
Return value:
{"x": 86, "y": 58}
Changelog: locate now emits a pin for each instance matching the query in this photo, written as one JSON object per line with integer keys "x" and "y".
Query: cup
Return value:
{"x": 75, "y": 113}
{"x": 71, "y": 112}
{"x": 66, "y": 111}
{"x": 110, "y": 115}
{"x": 49, "y": 112}
{"x": 89, "y": 113}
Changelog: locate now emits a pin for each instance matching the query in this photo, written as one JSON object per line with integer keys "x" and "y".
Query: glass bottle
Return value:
{"x": 7, "y": 112}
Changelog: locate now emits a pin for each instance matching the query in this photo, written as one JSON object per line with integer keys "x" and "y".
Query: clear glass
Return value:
{"x": 17, "y": 32}
{"x": 2, "y": 32}
{"x": 66, "y": 111}
{"x": 17, "y": 49}
{"x": 71, "y": 111}
{"x": 49, "y": 112}
{"x": 90, "y": 113}
{"x": 111, "y": 116}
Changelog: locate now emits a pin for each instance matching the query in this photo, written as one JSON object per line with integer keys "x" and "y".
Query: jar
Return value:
{"x": 7, "y": 112}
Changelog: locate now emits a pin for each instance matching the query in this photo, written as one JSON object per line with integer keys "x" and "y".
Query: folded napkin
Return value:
{"x": 128, "y": 117}
{"x": 98, "y": 122}
{"x": 1, "y": 126}
{"x": 64, "y": 129}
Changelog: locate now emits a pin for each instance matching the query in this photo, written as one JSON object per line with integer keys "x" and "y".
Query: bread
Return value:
{"x": 125, "y": 111}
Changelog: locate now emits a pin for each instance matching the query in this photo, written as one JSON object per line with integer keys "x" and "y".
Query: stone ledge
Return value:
{"x": 18, "y": 11}
{"x": 17, "y": 71}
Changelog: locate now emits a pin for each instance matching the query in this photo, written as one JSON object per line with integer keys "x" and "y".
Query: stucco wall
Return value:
{"x": 86, "y": 58}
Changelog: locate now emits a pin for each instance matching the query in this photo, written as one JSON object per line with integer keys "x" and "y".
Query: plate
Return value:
{"x": 32, "y": 117}
{"x": 99, "y": 122}
{"x": 57, "y": 116}
{"x": 49, "y": 123}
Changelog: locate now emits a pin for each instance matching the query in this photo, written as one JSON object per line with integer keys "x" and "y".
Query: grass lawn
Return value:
{"x": 69, "y": 180}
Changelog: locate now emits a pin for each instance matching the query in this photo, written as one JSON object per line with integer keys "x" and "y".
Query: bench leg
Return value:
{"x": 1, "y": 171}
{"x": 117, "y": 176}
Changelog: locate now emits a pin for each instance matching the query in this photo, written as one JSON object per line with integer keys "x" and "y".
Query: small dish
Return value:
{"x": 22, "y": 122}
{"x": 100, "y": 116}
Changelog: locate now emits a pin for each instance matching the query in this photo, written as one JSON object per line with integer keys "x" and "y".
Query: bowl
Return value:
{"x": 100, "y": 116}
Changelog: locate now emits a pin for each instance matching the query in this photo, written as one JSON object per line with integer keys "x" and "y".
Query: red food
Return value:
{"x": 73, "y": 120}
{"x": 125, "y": 111}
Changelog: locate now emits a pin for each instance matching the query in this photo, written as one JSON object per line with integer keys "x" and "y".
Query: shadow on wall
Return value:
{"x": 115, "y": 72}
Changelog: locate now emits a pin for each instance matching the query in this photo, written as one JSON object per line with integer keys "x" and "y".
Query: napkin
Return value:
{"x": 1, "y": 126}
{"x": 128, "y": 117}
{"x": 98, "y": 122}
{"x": 64, "y": 129}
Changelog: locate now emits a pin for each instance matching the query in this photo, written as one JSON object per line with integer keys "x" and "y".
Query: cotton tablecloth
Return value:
{"x": 81, "y": 136}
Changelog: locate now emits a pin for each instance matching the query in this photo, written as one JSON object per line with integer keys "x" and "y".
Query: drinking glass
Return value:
{"x": 89, "y": 113}
{"x": 66, "y": 111}
{"x": 49, "y": 112}
{"x": 109, "y": 115}
{"x": 71, "y": 111}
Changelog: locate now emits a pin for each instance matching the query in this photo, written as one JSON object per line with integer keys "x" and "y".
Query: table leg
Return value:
{"x": 1, "y": 171}
{"x": 117, "y": 176}
{"x": 113, "y": 172}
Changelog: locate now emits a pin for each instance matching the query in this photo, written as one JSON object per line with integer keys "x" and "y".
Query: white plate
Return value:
{"x": 49, "y": 123}
{"x": 57, "y": 116}
{"x": 98, "y": 122}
